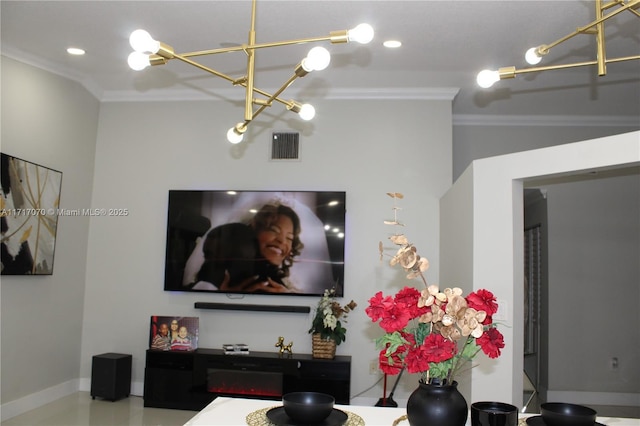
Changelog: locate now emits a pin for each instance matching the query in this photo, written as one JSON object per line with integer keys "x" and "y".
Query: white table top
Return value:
{"x": 233, "y": 411}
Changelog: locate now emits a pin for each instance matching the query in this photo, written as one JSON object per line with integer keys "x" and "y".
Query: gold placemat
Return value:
{"x": 259, "y": 418}
{"x": 399, "y": 419}
{"x": 521, "y": 422}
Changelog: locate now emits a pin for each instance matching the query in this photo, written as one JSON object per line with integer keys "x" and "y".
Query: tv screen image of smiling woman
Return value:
{"x": 255, "y": 242}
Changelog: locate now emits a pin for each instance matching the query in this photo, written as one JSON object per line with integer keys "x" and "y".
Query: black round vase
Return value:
{"x": 434, "y": 404}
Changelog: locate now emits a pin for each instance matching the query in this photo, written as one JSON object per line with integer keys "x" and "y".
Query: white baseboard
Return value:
{"x": 137, "y": 388}
{"x": 38, "y": 399}
{"x": 85, "y": 385}
{"x": 595, "y": 398}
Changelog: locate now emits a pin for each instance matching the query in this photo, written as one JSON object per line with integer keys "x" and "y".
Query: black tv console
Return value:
{"x": 191, "y": 380}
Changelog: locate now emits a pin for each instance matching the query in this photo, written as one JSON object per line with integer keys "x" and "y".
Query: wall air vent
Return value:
{"x": 285, "y": 146}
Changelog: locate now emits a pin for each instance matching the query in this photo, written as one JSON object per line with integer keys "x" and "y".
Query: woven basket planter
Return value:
{"x": 323, "y": 348}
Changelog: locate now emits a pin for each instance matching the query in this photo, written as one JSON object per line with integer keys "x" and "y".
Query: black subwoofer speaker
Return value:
{"x": 111, "y": 376}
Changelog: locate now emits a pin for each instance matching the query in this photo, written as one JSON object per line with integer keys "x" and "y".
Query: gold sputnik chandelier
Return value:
{"x": 533, "y": 56}
{"x": 148, "y": 51}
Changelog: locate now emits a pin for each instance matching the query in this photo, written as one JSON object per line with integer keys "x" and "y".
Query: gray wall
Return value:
{"x": 591, "y": 231}
{"x": 594, "y": 276}
{"x": 53, "y": 122}
{"x": 604, "y": 203}
{"x": 473, "y": 140}
{"x": 142, "y": 150}
{"x": 109, "y": 271}
{"x": 497, "y": 194}
{"x": 362, "y": 149}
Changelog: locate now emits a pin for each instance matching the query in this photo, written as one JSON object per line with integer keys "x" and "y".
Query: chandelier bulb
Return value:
{"x": 486, "y": 78}
{"x": 533, "y": 56}
{"x": 317, "y": 59}
{"x": 307, "y": 112}
{"x": 138, "y": 61}
{"x": 236, "y": 133}
{"x": 141, "y": 41}
{"x": 362, "y": 34}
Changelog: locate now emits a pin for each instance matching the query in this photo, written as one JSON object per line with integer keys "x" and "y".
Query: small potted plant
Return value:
{"x": 326, "y": 329}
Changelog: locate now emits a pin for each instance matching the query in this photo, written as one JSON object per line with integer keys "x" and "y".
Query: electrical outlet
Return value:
{"x": 503, "y": 310}
{"x": 373, "y": 367}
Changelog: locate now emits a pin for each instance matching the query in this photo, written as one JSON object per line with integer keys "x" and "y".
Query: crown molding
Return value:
{"x": 364, "y": 93}
{"x": 43, "y": 64}
{"x": 546, "y": 120}
{"x": 38, "y": 62}
{"x": 233, "y": 94}
{"x": 226, "y": 94}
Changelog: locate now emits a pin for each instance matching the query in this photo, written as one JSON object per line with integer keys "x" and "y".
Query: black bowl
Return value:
{"x": 490, "y": 413}
{"x": 565, "y": 414}
{"x": 307, "y": 407}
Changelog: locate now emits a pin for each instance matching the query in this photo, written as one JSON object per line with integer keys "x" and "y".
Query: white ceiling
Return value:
{"x": 445, "y": 44}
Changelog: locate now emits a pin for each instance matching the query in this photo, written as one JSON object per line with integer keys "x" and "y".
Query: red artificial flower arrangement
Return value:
{"x": 431, "y": 332}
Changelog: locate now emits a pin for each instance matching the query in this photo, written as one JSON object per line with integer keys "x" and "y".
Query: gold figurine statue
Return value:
{"x": 283, "y": 348}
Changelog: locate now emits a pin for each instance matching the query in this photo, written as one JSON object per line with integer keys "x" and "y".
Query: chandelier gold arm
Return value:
{"x": 511, "y": 72}
{"x": 256, "y": 46}
{"x": 600, "y": 18}
{"x": 264, "y": 103}
{"x": 251, "y": 60}
{"x": 209, "y": 70}
{"x": 238, "y": 82}
{"x": 148, "y": 51}
{"x": 335, "y": 37}
{"x": 596, "y": 27}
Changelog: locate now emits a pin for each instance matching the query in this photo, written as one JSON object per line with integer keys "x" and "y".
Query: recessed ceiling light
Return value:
{"x": 75, "y": 51}
{"x": 392, "y": 44}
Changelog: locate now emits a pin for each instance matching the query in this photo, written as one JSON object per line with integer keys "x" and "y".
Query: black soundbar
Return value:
{"x": 245, "y": 307}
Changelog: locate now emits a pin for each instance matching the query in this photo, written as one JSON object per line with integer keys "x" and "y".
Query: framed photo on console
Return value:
{"x": 175, "y": 333}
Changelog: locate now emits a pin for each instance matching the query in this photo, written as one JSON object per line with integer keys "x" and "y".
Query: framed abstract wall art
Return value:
{"x": 29, "y": 202}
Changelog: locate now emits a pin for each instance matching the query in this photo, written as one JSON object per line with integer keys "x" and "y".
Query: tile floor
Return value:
{"x": 79, "y": 409}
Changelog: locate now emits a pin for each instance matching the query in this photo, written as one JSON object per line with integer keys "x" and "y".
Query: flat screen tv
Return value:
{"x": 255, "y": 242}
